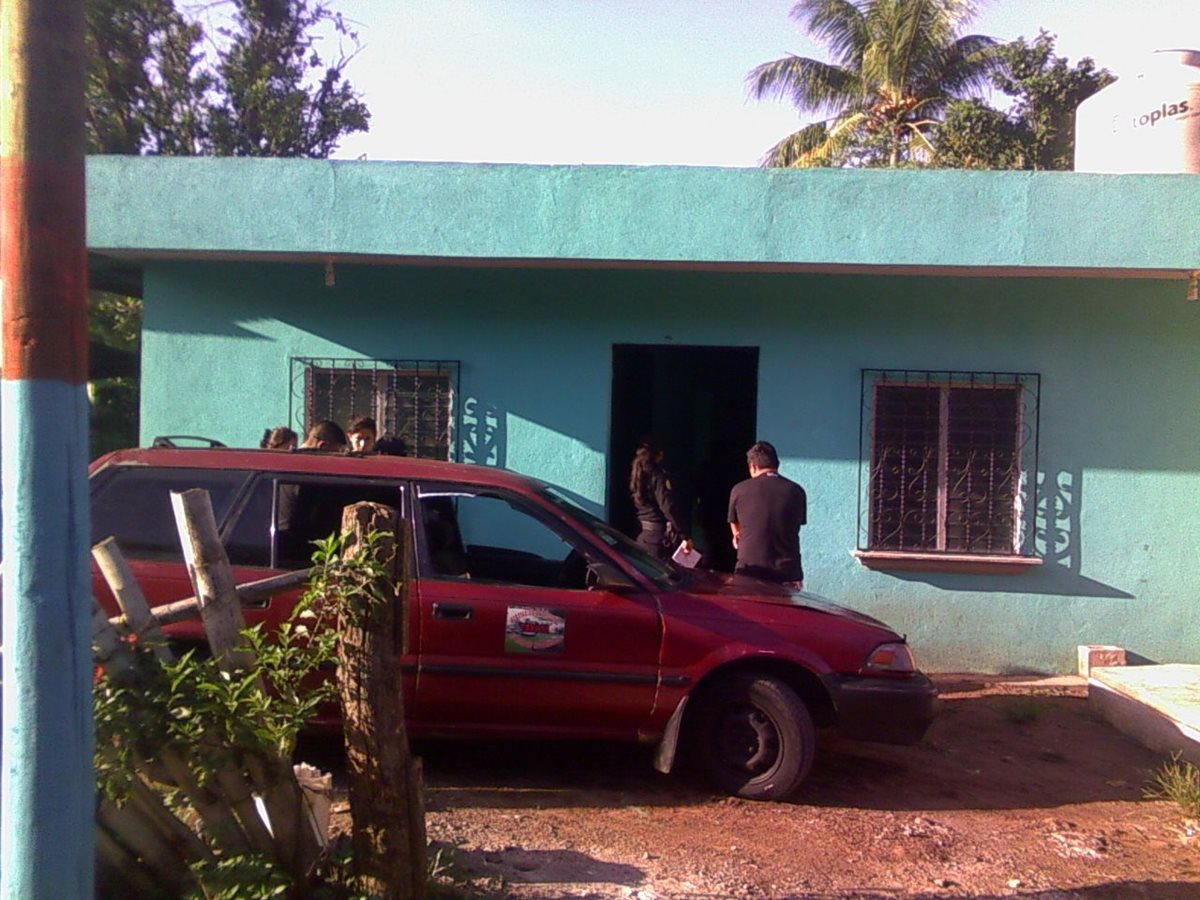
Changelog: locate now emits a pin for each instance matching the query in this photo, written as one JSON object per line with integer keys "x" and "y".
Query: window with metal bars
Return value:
{"x": 950, "y": 459}
{"x": 411, "y": 400}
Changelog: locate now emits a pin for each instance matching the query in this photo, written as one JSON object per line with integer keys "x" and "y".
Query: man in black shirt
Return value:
{"x": 765, "y": 514}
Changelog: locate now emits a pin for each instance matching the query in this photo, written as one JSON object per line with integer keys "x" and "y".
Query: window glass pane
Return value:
{"x": 661, "y": 573}
{"x": 308, "y": 510}
{"x": 133, "y": 505}
{"x": 249, "y": 541}
{"x": 904, "y": 468}
{"x": 982, "y": 469}
{"x": 491, "y": 538}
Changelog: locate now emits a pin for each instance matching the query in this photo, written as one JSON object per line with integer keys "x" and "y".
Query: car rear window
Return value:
{"x": 309, "y": 508}
{"x": 133, "y": 505}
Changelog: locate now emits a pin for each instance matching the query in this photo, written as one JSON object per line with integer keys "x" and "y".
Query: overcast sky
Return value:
{"x": 642, "y": 81}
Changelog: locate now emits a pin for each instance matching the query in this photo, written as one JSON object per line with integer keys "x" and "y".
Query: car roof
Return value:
{"x": 316, "y": 462}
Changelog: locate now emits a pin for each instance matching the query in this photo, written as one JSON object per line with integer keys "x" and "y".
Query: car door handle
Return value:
{"x": 459, "y": 612}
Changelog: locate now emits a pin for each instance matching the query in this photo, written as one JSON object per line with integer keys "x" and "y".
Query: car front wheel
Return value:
{"x": 754, "y": 737}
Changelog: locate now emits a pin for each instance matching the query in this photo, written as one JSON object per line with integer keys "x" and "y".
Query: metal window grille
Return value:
{"x": 950, "y": 460}
{"x": 413, "y": 400}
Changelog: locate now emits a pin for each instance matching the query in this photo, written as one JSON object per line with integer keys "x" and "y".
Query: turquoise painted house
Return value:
{"x": 987, "y": 381}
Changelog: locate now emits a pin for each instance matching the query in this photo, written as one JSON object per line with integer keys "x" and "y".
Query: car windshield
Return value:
{"x": 663, "y": 574}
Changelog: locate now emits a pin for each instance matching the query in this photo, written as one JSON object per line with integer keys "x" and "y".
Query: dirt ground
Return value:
{"x": 1016, "y": 791}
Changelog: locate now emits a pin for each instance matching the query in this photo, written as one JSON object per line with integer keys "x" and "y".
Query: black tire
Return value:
{"x": 753, "y": 737}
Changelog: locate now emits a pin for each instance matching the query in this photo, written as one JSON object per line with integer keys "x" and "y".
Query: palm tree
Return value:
{"x": 897, "y": 65}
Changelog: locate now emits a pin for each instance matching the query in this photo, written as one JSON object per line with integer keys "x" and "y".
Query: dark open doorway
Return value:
{"x": 700, "y": 403}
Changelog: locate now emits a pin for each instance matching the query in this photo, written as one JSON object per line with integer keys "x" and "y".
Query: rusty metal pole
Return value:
{"x": 48, "y": 784}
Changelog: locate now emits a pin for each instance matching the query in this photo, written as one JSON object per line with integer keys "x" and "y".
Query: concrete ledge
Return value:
{"x": 1092, "y": 656}
{"x": 1158, "y": 706}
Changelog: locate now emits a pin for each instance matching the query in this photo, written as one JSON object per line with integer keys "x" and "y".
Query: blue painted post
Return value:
{"x": 47, "y": 822}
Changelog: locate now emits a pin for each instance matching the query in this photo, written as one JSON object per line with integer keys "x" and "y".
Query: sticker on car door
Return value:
{"x": 530, "y": 629}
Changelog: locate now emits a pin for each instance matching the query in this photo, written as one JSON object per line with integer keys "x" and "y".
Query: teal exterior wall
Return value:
{"x": 1119, "y": 430}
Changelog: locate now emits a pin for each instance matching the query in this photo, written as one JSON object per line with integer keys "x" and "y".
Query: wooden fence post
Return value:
{"x": 296, "y": 845}
{"x": 212, "y": 578}
{"x": 386, "y": 799}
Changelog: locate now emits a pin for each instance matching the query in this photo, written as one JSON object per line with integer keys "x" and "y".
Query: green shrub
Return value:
{"x": 1179, "y": 782}
{"x": 190, "y": 709}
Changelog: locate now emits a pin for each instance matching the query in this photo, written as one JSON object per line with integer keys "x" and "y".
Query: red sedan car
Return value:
{"x": 530, "y": 617}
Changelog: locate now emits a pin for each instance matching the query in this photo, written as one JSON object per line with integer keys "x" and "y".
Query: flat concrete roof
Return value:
{"x": 949, "y": 221}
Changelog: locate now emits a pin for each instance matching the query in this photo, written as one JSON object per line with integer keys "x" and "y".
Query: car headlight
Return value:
{"x": 890, "y": 659}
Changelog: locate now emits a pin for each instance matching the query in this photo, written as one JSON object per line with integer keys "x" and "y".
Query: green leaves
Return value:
{"x": 158, "y": 83}
{"x": 194, "y": 707}
{"x": 185, "y": 729}
{"x": 900, "y": 90}
{"x": 975, "y": 136}
{"x": 145, "y": 90}
{"x": 1038, "y": 131}
{"x": 245, "y": 877}
{"x": 897, "y": 64}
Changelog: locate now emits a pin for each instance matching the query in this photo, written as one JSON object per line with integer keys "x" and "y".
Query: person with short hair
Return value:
{"x": 362, "y": 433}
{"x": 325, "y": 435}
{"x": 279, "y": 438}
{"x": 766, "y": 512}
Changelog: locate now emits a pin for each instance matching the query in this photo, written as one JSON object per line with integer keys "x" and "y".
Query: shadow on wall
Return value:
{"x": 1056, "y": 540}
{"x": 484, "y": 442}
{"x": 484, "y": 437}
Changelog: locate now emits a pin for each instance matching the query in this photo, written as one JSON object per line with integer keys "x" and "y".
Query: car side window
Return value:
{"x": 248, "y": 541}
{"x": 284, "y": 515}
{"x": 494, "y": 537}
{"x": 133, "y": 505}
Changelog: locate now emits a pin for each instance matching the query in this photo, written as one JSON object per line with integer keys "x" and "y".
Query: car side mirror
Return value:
{"x": 604, "y": 576}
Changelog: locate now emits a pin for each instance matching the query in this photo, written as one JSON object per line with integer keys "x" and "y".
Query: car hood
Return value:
{"x": 754, "y": 590}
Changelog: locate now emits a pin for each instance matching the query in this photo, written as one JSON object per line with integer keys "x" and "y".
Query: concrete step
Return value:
{"x": 1157, "y": 705}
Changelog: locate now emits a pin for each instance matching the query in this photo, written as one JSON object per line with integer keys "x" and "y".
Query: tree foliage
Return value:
{"x": 897, "y": 65}
{"x": 1038, "y": 132}
{"x": 146, "y": 88}
{"x": 972, "y": 135}
{"x": 257, "y": 85}
{"x": 115, "y": 321}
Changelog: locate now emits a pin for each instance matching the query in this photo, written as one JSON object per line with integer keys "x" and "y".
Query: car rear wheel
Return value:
{"x": 754, "y": 737}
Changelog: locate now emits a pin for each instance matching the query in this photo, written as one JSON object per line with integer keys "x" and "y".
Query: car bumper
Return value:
{"x": 891, "y": 711}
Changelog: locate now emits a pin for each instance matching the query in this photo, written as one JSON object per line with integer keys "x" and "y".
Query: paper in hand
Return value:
{"x": 685, "y": 557}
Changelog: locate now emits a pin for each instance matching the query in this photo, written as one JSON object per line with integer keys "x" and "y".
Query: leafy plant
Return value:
{"x": 1179, "y": 782}
{"x": 245, "y": 877}
{"x": 191, "y": 709}
{"x": 351, "y": 585}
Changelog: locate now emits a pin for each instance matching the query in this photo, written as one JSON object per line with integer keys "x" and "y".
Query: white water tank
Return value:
{"x": 1147, "y": 123}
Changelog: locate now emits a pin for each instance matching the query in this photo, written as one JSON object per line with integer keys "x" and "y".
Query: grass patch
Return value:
{"x": 1179, "y": 782}
{"x": 1023, "y": 710}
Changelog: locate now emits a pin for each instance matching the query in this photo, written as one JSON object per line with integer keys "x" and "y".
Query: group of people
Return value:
{"x": 766, "y": 512}
{"x": 359, "y": 436}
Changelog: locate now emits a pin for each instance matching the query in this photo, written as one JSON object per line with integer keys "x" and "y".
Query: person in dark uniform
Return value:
{"x": 662, "y": 525}
{"x": 766, "y": 512}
